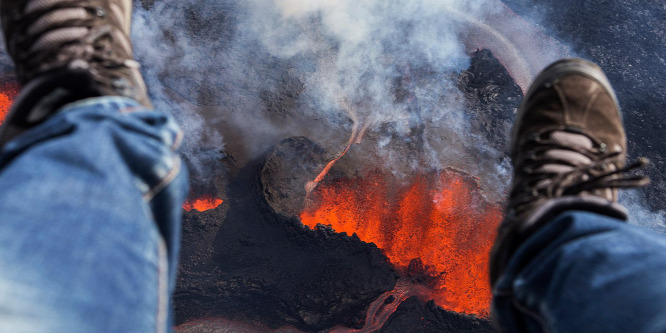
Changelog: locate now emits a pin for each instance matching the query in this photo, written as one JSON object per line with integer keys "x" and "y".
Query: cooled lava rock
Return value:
{"x": 198, "y": 235}
{"x": 426, "y": 317}
{"x": 492, "y": 96}
{"x": 289, "y": 166}
{"x": 267, "y": 269}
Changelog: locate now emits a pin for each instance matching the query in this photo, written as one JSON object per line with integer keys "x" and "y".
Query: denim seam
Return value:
{"x": 165, "y": 181}
{"x": 162, "y": 289}
{"x": 178, "y": 140}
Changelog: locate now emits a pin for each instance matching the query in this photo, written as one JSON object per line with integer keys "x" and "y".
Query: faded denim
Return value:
{"x": 90, "y": 208}
{"x": 584, "y": 272}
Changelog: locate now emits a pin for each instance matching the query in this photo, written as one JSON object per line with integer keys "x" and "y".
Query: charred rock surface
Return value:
{"x": 492, "y": 96}
{"x": 284, "y": 98}
{"x": 198, "y": 235}
{"x": 289, "y": 166}
{"x": 428, "y": 317}
{"x": 267, "y": 269}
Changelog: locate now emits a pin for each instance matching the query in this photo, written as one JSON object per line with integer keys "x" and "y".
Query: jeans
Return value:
{"x": 584, "y": 272}
{"x": 90, "y": 209}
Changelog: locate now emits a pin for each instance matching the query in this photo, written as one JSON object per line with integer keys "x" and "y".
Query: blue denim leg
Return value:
{"x": 584, "y": 272}
{"x": 90, "y": 208}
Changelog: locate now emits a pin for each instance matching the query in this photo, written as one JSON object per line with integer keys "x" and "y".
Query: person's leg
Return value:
{"x": 90, "y": 204}
{"x": 564, "y": 260}
{"x": 90, "y": 185}
{"x": 584, "y": 272}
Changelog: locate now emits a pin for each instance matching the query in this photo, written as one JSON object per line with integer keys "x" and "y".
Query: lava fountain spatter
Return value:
{"x": 7, "y": 94}
{"x": 202, "y": 204}
{"x": 442, "y": 219}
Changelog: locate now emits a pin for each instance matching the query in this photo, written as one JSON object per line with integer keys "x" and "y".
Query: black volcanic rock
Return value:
{"x": 289, "y": 166}
{"x": 198, "y": 235}
{"x": 267, "y": 269}
{"x": 414, "y": 315}
{"x": 492, "y": 97}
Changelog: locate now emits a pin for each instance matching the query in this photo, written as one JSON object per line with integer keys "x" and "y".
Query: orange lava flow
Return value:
{"x": 202, "y": 204}
{"x": 7, "y": 94}
{"x": 441, "y": 219}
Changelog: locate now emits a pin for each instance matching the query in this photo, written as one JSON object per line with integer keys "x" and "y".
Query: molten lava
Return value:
{"x": 202, "y": 204}
{"x": 7, "y": 94}
{"x": 441, "y": 219}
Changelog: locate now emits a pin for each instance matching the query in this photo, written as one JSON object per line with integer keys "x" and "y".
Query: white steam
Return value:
{"x": 351, "y": 54}
{"x": 359, "y": 47}
{"x": 639, "y": 214}
{"x": 349, "y": 57}
{"x": 212, "y": 64}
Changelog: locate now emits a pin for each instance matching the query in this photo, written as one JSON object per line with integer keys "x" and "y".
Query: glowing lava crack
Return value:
{"x": 441, "y": 219}
{"x": 202, "y": 204}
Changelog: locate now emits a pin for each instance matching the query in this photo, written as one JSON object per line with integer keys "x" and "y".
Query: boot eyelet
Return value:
{"x": 99, "y": 11}
{"x": 602, "y": 147}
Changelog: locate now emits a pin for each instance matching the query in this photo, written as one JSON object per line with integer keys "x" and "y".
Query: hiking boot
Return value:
{"x": 568, "y": 153}
{"x": 64, "y": 51}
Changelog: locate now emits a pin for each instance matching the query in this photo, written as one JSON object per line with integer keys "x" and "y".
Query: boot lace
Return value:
{"x": 566, "y": 163}
{"x": 56, "y": 34}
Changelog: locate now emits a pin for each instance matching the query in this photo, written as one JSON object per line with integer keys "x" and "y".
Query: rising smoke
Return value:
{"x": 347, "y": 56}
{"x": 213, "y": 63}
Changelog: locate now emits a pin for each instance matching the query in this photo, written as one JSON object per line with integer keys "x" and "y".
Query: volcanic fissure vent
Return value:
{"x": 439, "y": 220}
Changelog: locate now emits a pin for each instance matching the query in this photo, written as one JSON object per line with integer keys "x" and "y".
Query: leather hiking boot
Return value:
{"x": 64, "y": 51}
{"x": 568, "y": 153}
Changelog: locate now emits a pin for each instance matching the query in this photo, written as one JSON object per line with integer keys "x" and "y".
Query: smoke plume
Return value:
{"x": 215, "y": 64}
{"x": 211, "y": 63}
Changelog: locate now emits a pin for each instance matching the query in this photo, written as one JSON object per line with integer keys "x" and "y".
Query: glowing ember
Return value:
{"x": 7, "y": 94}
{"x": 202, "y": 204}
{"x": 441, "y": 219}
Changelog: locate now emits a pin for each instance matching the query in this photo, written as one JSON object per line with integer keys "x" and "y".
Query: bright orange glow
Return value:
{"x": 7, "y": 94}
{"x": 202, "y": 204}
{"x": 441, "y": 219}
